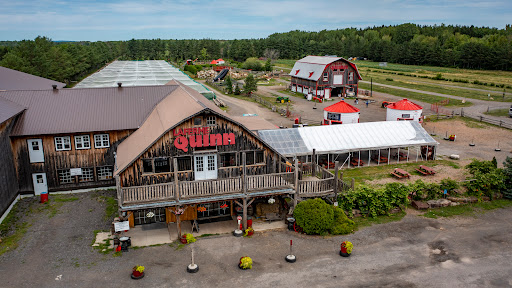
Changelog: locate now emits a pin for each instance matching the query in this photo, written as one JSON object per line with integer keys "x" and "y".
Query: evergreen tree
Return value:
{"x": 229, "y": 85}
{"x": 250, "y": 84}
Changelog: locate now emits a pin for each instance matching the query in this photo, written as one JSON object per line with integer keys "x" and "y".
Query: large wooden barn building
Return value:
{"x": 324, "y": 76}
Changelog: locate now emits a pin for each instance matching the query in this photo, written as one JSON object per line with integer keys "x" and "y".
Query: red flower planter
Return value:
{"x": 183, "y": 239}
{"x": 137, "y": 275}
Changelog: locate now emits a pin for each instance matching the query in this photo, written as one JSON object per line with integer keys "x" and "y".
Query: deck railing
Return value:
{"x": 316, "y": 187}
{"x": 266, "y": 181}
{"x": 190, "y": 189}
{"x": 154, "y": 192}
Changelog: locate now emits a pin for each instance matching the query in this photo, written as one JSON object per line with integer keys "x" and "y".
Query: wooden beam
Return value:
{"x": 314, "y": 162}
{"x": 244, "y": 183}
{"x": 336, "y": 165}
{"x": 250, "y": 202}
{"x": 296, "y": 183}
{"x": 176, "y": 186}
{"x": 238, "y": 203}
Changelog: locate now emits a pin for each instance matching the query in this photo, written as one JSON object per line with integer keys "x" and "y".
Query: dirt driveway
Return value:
{"x": 414, "y": 252}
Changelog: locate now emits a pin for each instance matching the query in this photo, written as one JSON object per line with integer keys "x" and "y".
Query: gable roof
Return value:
{"x": 15, "y": 80}
{"x": 84, "y": 110}
{"x": 162, "y": 119}
{"x": 404, "y": 104}
{"x": 341, "y": 107}
{"x": 311, "y": 67}
{"x": 9, "y": 109}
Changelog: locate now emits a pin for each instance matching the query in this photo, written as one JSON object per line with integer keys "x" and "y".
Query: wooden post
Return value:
{"x": 244, "y": 184}
{"x": 176, "y": 187}
{"x": 274, "y": 161}
{"x": 336, "y": 164}
{"x": 119, "y": 194}
{"x": 296, "y": 183}
{"x": 352, "y": 184}
{"x": 313, "y": 164}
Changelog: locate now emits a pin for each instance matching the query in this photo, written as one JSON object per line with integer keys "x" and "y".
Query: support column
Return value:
{"x": 313, "y": 167}
{"x": 378, "y": 161}
{"x": 296, "y": 183}
{"x": 369, "y": 157}
{"x": 398, "y": 154}
{"x": 336, "y": 165}
{"x": 389, "y": 154}
{"x": 244, "y": 184}
{"x": 176, "y": 186}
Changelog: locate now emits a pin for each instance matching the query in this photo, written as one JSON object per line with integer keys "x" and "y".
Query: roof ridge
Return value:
{"x": 191, "y": 96}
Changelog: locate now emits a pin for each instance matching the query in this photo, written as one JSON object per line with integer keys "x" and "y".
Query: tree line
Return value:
{"x": 439, "y": 45}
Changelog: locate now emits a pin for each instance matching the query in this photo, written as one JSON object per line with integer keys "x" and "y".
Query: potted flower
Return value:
{"x": 183, "y": 239}
{"x": 245, "y": 263}
{"x": 346, "y": 248}
{"x": 138, "y": 272}
{"x": 190, "y": 238}
{"x": 249, "y": 231}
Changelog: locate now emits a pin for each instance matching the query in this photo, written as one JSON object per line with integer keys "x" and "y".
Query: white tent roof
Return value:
{"x": 347, "y": 137}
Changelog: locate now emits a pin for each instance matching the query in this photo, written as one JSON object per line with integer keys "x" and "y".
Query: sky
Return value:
{"x": 93, "y": 20}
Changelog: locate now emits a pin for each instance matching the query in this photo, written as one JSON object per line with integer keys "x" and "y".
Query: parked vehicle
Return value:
{"x": 510, "y": 112}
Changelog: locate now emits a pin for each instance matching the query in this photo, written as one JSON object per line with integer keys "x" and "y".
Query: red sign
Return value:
{"x": 200, "y": 137}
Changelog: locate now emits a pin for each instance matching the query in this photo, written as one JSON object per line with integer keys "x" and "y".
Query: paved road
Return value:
{"x": 415, "y": 252}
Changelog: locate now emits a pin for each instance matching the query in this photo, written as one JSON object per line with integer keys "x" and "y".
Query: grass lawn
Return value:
{"x": 414, "y": 95}
{"x": 498, "y": 112}
{"x": 378, "y": 172}
{"x": 369, "y": 221}
{"x": 467, "y": 209}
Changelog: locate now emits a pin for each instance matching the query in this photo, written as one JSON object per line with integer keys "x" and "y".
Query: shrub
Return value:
{"x": 485, "y": 179}
{"x": 190, "y": 238}
{"x": 507, "y": 179}
{"x": 314, "y": 216}
{"x": 389, "y": 79}
{"x": 341, "y": 225}
{"x": 439, "y": 76}
{"x": 448, "y": 184}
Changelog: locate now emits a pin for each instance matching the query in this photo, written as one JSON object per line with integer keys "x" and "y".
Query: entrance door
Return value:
{"x": 40, "y": 185}
{"x": 35, "y": 150}
{"x": 205, "y": 166}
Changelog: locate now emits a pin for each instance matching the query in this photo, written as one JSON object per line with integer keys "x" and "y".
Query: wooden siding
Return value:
{"x": 55, "y": 160}
{"x": 8, "y": 180}
{"x": 164, "y": 147}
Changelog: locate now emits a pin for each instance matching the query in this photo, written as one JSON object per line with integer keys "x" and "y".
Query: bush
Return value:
{"x": 314, "y": 216}
{"x": 448, "y": 184}
{"x": 389, "y": 79}
{"x": 375, "y": 201}
{"x": 439, "y": 76}
{"x": 341, "y": 225}
{"x": 252, "y": 64}
{"x": 485, "y": 179}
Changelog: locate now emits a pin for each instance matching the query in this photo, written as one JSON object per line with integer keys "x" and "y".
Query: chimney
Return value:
{"x": 54, "y": 87}
{"x": 119, "y": 84}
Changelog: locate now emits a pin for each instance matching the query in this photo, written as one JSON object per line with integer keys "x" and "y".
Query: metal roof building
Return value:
{"x": 140, "y": 73}
{"x": 15, "y": 80}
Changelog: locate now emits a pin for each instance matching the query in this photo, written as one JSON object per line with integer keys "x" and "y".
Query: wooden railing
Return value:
{"x": 192, "y": 189}
{"x": 262, "y": 182}
{"x": 148, "y": 193}
{"x": 320, "y": 187}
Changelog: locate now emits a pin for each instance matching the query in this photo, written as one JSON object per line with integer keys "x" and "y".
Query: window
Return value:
{"x": 184, "y": 163}
{"x": 104, "y": 172}
{"x": 254, "y": 157}
{"x": 326, "y": 77}
{"x": 101, "y": 141}
{"x": 87, "y": 175}
{"x": 210, "y": 120}
{"x": 198, "y": 121}
{"x": 227, "y": 159}
{"x": 333, "y": 116}
{"x": 211, "y": 163}
{"x": 259, "y": 157}
{"x": 35, "y": 145}
{"x": 65, "y": 176}
{"x": 82, "y": 142}
{"x": 351, "y": 76}
{"x": 147, "y": 165}
{"x": 406, "y": 115}
{"x": 62, "y": 143}
{"x": 199, "y": 163}
{"x": 162, "y": 165}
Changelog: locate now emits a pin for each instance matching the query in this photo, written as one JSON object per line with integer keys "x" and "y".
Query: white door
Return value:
{"x": 338, "y": 79}
{"x": 205, "y": 166}
{"x": 35, "y": 150}
{"x": 40, "y": 185}
{"x": 327, "y": 93}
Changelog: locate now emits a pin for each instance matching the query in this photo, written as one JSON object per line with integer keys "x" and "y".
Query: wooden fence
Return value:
{"x": 155, "y": 192}
{"x": 500, "y": 123}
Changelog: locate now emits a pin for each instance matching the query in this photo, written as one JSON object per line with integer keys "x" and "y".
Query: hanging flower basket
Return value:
{"x": 137, "y": 272}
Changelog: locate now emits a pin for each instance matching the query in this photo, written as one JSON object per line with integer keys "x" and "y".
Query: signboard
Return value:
{"x": 75, "y": 171}
{"x": 122, "y": 226}
{"x": 200, "y": 137}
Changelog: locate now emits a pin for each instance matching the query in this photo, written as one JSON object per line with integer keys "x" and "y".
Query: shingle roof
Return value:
{"x": 15, "y": 80}
{"x": 341, "y": 107}
{"x": 311, "y": 67}
{"x": 404, "y": 104}
{"x": 84, "y": 110}
{"x": 9, "y": 109}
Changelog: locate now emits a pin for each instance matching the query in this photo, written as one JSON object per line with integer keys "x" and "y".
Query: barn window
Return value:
{"x": 326, "y": 77}
{"x": 333, "y": 116}
{"x": 184, "y": 163}
{"x": 65, "y": 176}
{"x": 406, "y": 115}
{"x": 254, "y": 157}
{"x": 210, "y": 121}
{"x": 104, "y": 172}
{"x": 82, "y": 142}
{"x": 101, "y": 141}
{"x": 227, "y": 159}
{"x": 198, "y": 121}
{"x": 87, "y": 175}
{"x": 63, "y": 143}
{"x": 351, "y": 76}
{"x": 162, "y": 165}
{"x": 147, "y": 165}
{"x": 35, "y": 145}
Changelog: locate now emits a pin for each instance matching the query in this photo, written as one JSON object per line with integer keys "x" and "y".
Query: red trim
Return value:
{"x": 297, "y": 72}
{"x": 311, "y": 74}
{"x": 404, "y": 119}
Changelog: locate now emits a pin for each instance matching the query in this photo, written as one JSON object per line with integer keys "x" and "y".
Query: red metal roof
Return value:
{"x": 213, "y": 62}
{"x": 404, "y": 104}
{"x": 341, "y": 107}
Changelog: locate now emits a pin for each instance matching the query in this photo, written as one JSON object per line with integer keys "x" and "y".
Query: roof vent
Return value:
{"x": 54, "y": 87}
{"x": 119, "y": 84}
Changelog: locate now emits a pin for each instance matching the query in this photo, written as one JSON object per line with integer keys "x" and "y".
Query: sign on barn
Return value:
{"x": 200, "y": 137}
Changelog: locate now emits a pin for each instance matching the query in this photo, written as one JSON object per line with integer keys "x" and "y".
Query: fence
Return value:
{"x": 499, "y": 123}
{"x": 439, "y": 109}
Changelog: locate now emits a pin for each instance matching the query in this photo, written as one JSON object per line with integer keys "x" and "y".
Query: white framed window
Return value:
{"x": 82, "y": 142}
{"x": 104, "y": 172}
{"x": 351, "y": 76}
{"x": 326, "y": 77}
{"x": 210, "y": 120}
{"x": 65, "y": 176}
{"x": 62, "y": 143}
{"x": 87, "y": 175}
{"x": 101, "y": 141}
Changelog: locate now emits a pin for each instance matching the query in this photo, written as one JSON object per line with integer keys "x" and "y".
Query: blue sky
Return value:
{"x": 230, "y": 19}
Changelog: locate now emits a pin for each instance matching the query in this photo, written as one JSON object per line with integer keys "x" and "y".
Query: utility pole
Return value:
{"x": 371, "y": 87}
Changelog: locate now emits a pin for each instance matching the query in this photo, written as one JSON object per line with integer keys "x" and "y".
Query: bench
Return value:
{"x": 425, "y": 170}
{"x": 273, "y": 217}
{"x": 397, "y": 175}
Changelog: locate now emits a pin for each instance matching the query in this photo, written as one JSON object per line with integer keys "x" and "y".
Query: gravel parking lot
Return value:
{"x": 414, "y": 252}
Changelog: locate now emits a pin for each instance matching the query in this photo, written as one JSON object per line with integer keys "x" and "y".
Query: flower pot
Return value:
{"x": 137, "y": 275}
{"x": 183, "y": 239}
{"x": 344, "y": 254}
{"x": 250, "y": 233}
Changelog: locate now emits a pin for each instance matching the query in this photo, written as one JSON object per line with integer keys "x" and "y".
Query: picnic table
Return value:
{"x": 425, "y": 170}
{"x": 401, "y": 156}
{"x": 356, "y": 162}
{"x": 400, "y": 173}
{"x": 382, "y": 159}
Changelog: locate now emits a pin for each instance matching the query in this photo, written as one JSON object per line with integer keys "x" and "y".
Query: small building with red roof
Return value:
{"x": 404, "y": 110}
{"x": 214, "y": 62}
{"x": 340, "y": 113}
{"x": 220, "y": 61}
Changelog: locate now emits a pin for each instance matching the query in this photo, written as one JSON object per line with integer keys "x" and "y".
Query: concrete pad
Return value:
{"x": 101, "y": 237}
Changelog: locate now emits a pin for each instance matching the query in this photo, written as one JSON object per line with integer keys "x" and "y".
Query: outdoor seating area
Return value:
{"x": 424, "y": 170}
{"x": 356, "y": 162}
{"x": 400, "y": 173}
